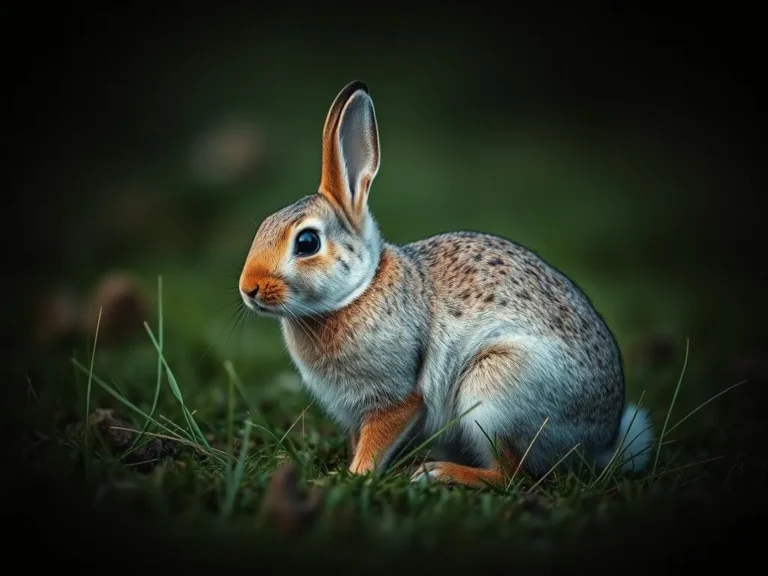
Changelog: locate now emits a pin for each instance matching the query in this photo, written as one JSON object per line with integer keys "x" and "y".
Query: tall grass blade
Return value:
{"x": 177, "y": 391}
{"x": 86, "y": 427}
{"x": 159, "y": 380}
{"x": 671, "y": 405}
{"x": 234, "y": 482}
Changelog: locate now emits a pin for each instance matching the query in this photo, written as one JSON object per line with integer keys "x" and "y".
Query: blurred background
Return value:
{"x": 621, "y": 146}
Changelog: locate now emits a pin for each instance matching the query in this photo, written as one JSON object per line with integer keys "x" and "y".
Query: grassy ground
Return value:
{"x": 222, "y": 412}
{"x": 202, "y": 384}
{"x": 251, "y": 464}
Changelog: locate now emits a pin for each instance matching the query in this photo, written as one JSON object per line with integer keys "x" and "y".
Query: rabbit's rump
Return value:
{"x": 516, "y": 344}
{"x": 523, "y": 394}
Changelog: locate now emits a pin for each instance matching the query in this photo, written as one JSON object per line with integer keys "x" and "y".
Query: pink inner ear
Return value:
{"x": 362, "y": 194}
{"x": 357, "y": 132}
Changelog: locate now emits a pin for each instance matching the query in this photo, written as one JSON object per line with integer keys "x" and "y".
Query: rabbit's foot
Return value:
{"x": 450, "y": 473}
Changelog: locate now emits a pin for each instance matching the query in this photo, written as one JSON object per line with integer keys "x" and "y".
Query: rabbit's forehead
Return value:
{"x": 277, "y": 230}
{"x": 312, "y": 212}
{"x": 285, "y": 220}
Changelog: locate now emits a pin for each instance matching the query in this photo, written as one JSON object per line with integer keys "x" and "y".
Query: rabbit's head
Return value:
{"x": 319, "y": 253}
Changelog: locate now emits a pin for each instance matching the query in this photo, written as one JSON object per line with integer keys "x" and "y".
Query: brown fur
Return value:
{"x": 272, "y": 290}
{"x": 321, "y": 340}
{"x": 452, "y": 473}
{"x": 380, "y": 430}
{"x": 332, "y": 184}
{"x": 260, "y": 269}
{"x": 491, "y": 368}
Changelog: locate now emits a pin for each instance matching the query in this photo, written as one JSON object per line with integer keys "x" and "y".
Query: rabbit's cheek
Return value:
{"x": 318, "y": 266}
{"x": 308, "y": 290}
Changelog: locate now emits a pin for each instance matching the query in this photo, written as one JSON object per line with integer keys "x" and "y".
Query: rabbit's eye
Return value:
{"x": 307, "y": 243}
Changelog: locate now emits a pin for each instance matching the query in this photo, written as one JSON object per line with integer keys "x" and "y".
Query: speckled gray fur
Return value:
{"x": 379, "y": 321}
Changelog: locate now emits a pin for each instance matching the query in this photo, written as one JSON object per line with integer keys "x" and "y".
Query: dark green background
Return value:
{"x": 619, "y": 146}
{"x": 622, "y": 147}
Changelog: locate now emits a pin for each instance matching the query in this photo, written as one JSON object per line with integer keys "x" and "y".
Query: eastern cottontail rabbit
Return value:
{"x": 396, "y": 341}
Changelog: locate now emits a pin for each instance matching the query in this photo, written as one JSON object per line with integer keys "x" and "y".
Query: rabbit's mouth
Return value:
{"x": 259, "y": 309}
{"x": 255, "y": 305}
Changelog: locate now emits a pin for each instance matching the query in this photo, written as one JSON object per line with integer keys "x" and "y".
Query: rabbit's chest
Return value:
{"x": 354, "y": 374}
{"x": 348, "y": 389}
{"x": 338, "y": 350}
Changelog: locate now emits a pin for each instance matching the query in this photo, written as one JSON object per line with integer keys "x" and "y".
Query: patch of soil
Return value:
{"x": 118, "y": 436}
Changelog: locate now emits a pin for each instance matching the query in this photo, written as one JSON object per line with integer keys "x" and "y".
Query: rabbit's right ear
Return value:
{"x": 350, "y": 152}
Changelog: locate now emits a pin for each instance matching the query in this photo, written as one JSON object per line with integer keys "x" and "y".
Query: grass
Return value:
{"x": 228, "y": 450}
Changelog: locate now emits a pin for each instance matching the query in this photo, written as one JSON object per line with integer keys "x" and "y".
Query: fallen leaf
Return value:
{"x": 123, "y": 307}
{"x": 285, "y": 506}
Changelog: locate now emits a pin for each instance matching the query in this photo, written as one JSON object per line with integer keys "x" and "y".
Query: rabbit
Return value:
{"x": 396, "y": 342}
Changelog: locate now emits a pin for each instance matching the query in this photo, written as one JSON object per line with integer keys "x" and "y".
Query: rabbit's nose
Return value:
{"x": 253, "y": 292}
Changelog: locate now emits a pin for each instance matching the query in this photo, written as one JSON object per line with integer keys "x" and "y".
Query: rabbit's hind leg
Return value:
{"x": 482, "y": 390}
{"x": 521, "y": 391}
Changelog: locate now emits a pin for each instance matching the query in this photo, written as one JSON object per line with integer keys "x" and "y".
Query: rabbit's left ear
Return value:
{"x": 350, "y": 152}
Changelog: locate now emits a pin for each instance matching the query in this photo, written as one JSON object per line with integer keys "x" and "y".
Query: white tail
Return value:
{"x": 632, "y": 447}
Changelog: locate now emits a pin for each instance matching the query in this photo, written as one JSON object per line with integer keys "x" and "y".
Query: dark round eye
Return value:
{"x": 307, "y": 243}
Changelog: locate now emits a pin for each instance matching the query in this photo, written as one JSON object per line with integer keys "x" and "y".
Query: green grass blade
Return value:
{"x": 171, "y": 378}
{"x": 553, "y": 468}
{"x": 187, "y": 438}
{"x": 230, "y": 368}
{"x": 231, "y": 416}
{"x": 700, "y": 406}
{"x": 177, "y": 391}
{"x": 267, "y": 430}
{"x": 525, "y": 454}
{"x": 123, "y": 400}
{"x": 233, "y": 484}
{"x": 287, "y": 443}
{"x": 86, "y": 427}
{"x": 230, "y": 422}
{"x": 611, "y": 467}
{"x": 159, "y": 381}
{"x": 671, "y": 406}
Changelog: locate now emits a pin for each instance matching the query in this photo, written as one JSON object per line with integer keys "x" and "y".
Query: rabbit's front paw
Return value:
{"x": 359, "y": 468}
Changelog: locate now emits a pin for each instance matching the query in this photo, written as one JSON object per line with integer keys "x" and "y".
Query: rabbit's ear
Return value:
{"x": 350, "y": 151}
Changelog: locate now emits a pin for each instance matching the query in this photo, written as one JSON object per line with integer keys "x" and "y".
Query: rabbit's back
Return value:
{"x": 475, "y": 275}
